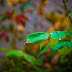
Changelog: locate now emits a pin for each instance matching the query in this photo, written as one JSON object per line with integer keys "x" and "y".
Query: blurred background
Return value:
{"x": 19, "y": 18}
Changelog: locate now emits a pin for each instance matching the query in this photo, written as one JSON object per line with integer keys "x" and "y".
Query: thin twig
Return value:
{"x": 67, "y": 11}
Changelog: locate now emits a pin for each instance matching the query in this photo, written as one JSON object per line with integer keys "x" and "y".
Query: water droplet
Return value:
{"x": 30, "y": 41}
{"x": 51, "y": 33}
{"x": 59, "y": 38}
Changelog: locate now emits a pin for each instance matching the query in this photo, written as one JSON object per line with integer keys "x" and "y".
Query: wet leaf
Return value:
{"x": 57, "y": 34}
{"x": 61, "y": 44}
{"x": 44, "y": 49}
{"x": 37, "y": 37}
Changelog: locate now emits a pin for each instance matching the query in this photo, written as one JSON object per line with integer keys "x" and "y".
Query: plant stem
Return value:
{"x": 4, "y": 49}
{"x": 14, "y": 36}
{"x": 67, "y": 10}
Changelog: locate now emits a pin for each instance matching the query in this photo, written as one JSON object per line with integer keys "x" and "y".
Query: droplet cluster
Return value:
{"x": 61, "y": 44}
{"x": 37, "y": 37}
{"x": 57, "y": 34}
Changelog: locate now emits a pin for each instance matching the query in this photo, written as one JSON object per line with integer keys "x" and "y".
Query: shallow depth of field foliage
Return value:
{"x": 34, "y": 38}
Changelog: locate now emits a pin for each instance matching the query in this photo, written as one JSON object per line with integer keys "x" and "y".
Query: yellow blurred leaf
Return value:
{"x": 20, "y": 28}
{"x": 12, "y": 2}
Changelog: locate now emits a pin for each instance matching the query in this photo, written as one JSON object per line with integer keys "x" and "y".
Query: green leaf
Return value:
{"x": 60, "y": 12}
{"x": 67, "y": 38}
{"x": 29, "y": 58}
{"x": 14, "y": 14}
{"x": 4, "y": 49}
{"x": 11, "y": 26}
{"x": 65, "y": 50}
{"x": 53, "y": 41}
{"x": 39, "y": 62}
{"x": 2, "y": 3}
{"x": 57, "y": 34}
{"x": 17, "y": 53}
{"x": 69, "y": 14}
{"x": 42, "y": 44}
{"x": 37, "y": 37}
{"x": 66, "y": 1}
{"x": 37, "y": 69}
{"x": 4, "y": 17}
{"x": 69, "y": 33}
{"x": 44, "y": 49}
{"x": 61, "y": 44}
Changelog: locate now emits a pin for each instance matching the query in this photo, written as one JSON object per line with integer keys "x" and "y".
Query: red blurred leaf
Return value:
{"x": 9, "y": 14}
{"x": 23, "y": 16}
{"x": 1, "y": 34}
{"x": 4, "y": 36}
{"x": 17, "y": 19}
{"x": 21, "y": 19}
